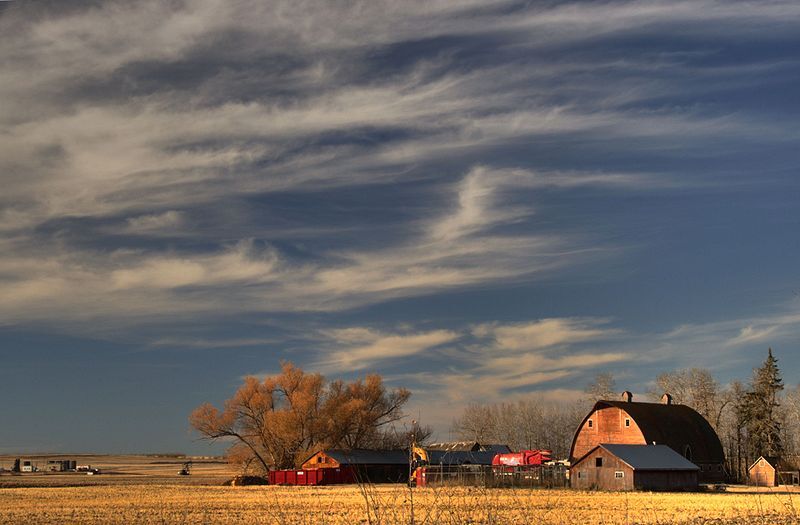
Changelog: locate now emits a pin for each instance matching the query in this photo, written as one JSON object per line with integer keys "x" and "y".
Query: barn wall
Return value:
{"x": 584, "y": 475}
{"x": 711, "y": 472}
{"x": 320, "y": 460}
{"x": 763, "y": 474}
{"x": 382, "y": 473}
{"x": 608, "y": 427}
{"x": 665, "y": 480}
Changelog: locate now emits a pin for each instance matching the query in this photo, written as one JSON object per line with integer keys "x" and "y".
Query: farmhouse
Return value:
{"x": 633, "y": 467}
{"x": 770, "y": 471}
{"x": 627, "y": 422}
{"x": 375, "y": 466}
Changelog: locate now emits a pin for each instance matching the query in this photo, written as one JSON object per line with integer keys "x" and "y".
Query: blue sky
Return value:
{"x": 478, "y": 200}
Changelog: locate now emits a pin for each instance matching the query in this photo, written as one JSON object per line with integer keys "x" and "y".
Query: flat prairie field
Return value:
{"x": 164, "y": 501}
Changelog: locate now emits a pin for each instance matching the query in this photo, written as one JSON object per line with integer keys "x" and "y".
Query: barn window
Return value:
{"x": 319, "y": 459}
{"x": 580, "y": 474}
{"x": 619, "y": 474}
{"x": 591, "y": 423}
{"x": 598, "y": 462}
{"x": 627, "y": 421}
{"x": 687, "y": 452}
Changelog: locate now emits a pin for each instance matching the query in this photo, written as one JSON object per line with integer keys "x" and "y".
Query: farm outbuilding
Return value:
{"x": 764, "y": 472}
{"x": 679, "y": 427}
{"x": 373, "y": 466}
{"x": 321, "y": 476}
{"x": 633, "y": 467}
{"x": 468, "y": 446}
{"x": 771, "y": 471}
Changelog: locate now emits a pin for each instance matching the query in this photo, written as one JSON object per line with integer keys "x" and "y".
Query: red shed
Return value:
{"x": 373, "y": 466}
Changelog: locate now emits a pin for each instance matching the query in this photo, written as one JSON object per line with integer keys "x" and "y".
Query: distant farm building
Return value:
{"x": 770, "y": 471}
{"x": 373, "y": 466}
{"x": 633, "y": 467}
{"x": 679, "y": 427}
{"x": 468, "y": 446}
{"x": 60, "y": 465}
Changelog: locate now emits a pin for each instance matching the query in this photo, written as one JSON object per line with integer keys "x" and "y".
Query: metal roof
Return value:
{"x": 650, "y": 457}
{"x": 368, "y": 457}
{"x": 468, "y": 446}
{"x": 460, "y": 446}
{"x": 496, "y": 448}
{"x": 456, "y": 457}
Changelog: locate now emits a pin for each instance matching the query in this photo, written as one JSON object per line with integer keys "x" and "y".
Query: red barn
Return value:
{"x": 679, "y": 427}
{"x": 633, "y": 467}
{"x": 373, "y": 466}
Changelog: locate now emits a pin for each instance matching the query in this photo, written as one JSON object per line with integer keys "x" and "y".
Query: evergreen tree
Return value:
{"x": 760, "y": 410}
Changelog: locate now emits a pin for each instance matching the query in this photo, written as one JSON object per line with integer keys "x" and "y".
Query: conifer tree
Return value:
{"x": 760, "y": 410}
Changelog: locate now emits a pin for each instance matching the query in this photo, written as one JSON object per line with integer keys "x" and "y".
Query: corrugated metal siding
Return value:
{"x": 323, "y": 476}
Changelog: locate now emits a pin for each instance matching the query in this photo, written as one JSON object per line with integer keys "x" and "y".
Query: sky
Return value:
{"x": 479, "y": 200}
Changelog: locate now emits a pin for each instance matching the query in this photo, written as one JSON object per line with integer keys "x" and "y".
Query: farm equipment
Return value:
{"x": 523, "y": 458}
{"x": 186, "y": 469}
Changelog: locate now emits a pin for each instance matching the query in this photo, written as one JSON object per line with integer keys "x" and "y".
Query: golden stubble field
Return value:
{"x": 195, "y": 504}
{"x": 145, "y": 489}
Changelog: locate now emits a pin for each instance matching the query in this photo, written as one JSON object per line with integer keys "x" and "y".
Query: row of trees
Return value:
{"x": 753, "y": 419}
{"x": 529, "y": 423}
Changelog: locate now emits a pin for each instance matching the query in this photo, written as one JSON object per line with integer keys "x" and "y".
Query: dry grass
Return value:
{"x": 173, "y": 503}
{"x": 147, "y": 489}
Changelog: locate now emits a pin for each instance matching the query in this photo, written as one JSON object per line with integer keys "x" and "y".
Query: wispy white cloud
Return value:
{"x": 480, "y": 362}
{"x": 154, "y": 223}
{"x": 366, "y": 347}
{"x": 543, "y": 333}
{"x": 456, "y": 247}
{"x": 101, "y": 127}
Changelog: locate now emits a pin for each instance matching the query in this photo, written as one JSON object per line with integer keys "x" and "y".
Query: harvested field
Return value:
{"x": 168, "y": 502}
{"x": 117, "y": 470}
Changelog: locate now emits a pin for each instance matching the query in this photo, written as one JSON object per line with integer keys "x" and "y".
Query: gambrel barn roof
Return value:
{"x": 672, "y": 425}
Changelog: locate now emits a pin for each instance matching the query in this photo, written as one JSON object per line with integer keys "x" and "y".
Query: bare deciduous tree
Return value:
{"x": 530, "y": 423}
{"x": 279, "y": 421}
{"x": 603, "y": 387}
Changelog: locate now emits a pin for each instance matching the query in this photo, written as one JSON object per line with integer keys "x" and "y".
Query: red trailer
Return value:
{"x": 319, "y": 476}
{"x": 523, "y": 457}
